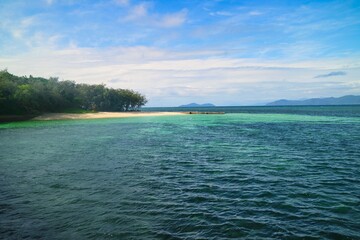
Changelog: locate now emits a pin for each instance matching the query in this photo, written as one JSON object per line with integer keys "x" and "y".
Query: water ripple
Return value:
{"x": 184, "y": 177}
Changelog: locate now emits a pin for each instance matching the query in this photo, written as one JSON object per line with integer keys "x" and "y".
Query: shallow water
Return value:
{"x": 254, "y": 175}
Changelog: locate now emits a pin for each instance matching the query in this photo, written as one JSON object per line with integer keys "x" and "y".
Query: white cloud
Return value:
{"x": 255, "y": 13}
{"x": 173, "y": 19}
{"x": 19, "y": 28}
{"x": 169, "y": 77}
{"x": 221, "y": 13}
{"x": 138, "y": 11}
{"x": 30, "y": 32}
{"x": 26, "y": 22}
{"x": 140, "y": 15}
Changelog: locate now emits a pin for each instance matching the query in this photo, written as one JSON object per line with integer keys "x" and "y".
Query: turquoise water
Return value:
{"x": 255, "y": 174}
{"x": 348, "y": 111}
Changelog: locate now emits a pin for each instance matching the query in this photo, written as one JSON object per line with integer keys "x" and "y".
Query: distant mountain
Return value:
{"x": 198, "y": 105}
{"x": 345, "y": 100}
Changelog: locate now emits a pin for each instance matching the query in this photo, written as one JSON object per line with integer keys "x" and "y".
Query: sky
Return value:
{"x": 226, "y": 52}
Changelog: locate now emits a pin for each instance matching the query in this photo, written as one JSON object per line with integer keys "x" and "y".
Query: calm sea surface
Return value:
{"x": 254, "y": 173}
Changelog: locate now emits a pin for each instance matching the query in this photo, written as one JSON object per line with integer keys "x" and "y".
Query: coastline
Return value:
{"x": 97, "y": 115}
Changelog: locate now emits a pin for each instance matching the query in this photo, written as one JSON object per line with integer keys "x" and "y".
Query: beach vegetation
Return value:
{"x": 33, "y": 95}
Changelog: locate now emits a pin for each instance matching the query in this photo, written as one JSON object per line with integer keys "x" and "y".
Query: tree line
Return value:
{"x": 31, "y": 95}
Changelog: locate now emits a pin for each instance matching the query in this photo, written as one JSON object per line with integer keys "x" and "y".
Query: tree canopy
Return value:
{"x": 31, "y": 95}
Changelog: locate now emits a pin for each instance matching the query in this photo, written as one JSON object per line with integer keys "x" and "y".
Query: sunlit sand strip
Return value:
{"x": 63, "y": 116}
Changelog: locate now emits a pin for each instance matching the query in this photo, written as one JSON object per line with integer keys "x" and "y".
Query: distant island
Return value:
{"x": 190, "y": 105}
{"x": 345, "y": 100}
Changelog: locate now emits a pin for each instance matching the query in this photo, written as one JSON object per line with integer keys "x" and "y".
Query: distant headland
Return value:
{"x": 345, "y": 100}
{"x": 197, "y": 105}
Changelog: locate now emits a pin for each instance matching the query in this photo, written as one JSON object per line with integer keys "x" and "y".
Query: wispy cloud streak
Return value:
{"x": 331, "y": 74}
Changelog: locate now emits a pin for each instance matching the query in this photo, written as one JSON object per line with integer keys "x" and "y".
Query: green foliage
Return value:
{"x": 29, "y": 95}
{"x": 77, "y": 110}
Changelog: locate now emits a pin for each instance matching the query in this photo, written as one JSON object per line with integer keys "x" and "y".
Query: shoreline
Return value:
{"x": 98, "y": 115}
{"x": 93, "y": 115}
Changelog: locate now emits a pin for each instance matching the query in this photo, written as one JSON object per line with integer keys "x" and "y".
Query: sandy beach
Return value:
{"x": 62, "y": 116}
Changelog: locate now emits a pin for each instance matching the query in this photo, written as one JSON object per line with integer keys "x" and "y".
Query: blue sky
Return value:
{"x": 176, "y": 52}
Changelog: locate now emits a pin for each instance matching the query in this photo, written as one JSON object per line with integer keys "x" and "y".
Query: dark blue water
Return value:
{"x": 243, "y": 175}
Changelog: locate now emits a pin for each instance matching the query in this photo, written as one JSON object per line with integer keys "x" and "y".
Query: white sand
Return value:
{"x": 61, "y": 116}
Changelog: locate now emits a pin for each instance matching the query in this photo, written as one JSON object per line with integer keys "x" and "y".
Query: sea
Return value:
{"x": 251, "y": 173}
